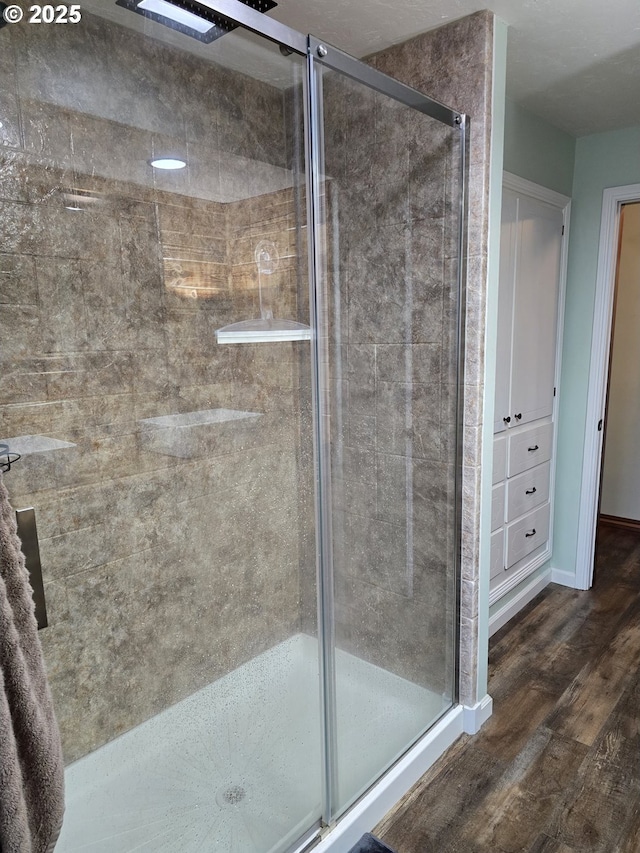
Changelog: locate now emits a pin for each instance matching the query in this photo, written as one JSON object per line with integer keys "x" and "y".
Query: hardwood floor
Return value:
{"x": 557, "y": 767}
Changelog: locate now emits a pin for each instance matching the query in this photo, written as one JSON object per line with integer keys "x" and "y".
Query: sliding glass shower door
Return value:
{"x": 389, "y": 177}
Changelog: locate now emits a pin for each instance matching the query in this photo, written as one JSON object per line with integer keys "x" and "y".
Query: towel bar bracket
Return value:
{"x": 7, "y": 458}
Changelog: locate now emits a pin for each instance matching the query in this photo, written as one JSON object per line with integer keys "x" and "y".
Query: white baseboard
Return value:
{"x": 518, "y": 575}
{"x": 370, "y": 810}
{"x": 526, "y": 594}
{"x": 565, "y": 578}
{"x": 475, "y": 716}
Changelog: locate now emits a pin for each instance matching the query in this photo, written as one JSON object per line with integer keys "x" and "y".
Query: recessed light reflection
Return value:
{"x": 168, "y": 163}
{"x": 75, "y": 198}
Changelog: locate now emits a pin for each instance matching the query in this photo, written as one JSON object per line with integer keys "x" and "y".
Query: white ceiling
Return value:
{"x": 575, "y": 63}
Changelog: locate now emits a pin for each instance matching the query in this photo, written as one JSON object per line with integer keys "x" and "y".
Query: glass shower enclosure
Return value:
{"x": 230, "y": 330}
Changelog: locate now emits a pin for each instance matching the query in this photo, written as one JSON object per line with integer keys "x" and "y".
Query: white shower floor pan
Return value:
{"x": 236, "y": 766}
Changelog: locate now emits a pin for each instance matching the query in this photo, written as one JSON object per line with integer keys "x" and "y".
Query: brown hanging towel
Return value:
{"x": 31, "y": 767}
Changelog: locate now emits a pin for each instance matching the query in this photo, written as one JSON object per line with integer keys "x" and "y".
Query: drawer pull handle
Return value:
{"x": 518, "y": 417}
{"x": 535, "y": 447}
{"x": 530, "y": 533}
{"x": 531, "y": 491}
{"x": 507, "y": 420}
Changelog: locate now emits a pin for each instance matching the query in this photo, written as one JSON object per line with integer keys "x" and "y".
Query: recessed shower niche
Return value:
{"x": 249, "y": 538}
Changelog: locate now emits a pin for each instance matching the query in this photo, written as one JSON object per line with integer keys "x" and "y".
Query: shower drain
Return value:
{"x": 231, "y": 795}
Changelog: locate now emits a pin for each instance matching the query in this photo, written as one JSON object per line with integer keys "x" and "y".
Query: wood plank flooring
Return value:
{"x": 557, "y": 767}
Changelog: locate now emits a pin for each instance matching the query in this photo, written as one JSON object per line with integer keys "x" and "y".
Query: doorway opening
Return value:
{"x": 619, "y": 495}
{"x": 611, "y": 383}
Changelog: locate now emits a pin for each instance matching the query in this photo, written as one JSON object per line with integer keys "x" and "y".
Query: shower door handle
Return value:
{"x": 28, "y": 534}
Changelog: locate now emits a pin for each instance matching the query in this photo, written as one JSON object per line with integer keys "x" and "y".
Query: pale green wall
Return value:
{"x": 602, "y": 160}
{"x": 537, "y": 151}
{"x": 582, "y": 169}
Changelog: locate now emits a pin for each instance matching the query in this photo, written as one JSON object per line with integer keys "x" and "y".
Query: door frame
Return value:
{"x": 612, "y": 200}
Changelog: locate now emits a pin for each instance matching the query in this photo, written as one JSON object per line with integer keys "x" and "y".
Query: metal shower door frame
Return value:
{"x": 319, "y": 53}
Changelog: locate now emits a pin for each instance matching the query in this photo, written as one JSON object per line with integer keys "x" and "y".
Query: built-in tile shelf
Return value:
{"x": 263, "y": 331}
{"x": 26, "y": 445}
{"x": 192, "y": 434}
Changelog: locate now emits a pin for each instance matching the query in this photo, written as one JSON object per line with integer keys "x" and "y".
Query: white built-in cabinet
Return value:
{"x": 534, "y": 228}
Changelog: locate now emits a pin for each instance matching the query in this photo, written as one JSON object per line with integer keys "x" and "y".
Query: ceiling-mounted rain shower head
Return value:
{"x": 191, "y": 17}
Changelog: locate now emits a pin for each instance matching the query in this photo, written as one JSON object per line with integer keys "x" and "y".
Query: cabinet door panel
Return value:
{"x": 527, "y": 491}
{"x": 526, "y": 535}
{"x": 497, "y": 506}
{"x": 497, "y": 554}
{"x": 499, "y": 459}
{"x": 538, "y": 250}
{"x": 505, "y": 307}
{"x": 529, "y": 448}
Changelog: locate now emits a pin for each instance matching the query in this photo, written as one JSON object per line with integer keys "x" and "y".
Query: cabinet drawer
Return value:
{"x": 527, "y": 491}
{"x": 499, "y": 458}
{"x": 527, "y": 534}
{"x": 529, "y": 448}
{"x": 497, "y": 553}
{"x": 497, "y": 506}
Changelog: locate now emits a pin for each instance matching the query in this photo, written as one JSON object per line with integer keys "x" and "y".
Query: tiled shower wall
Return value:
{"x": 454, "y": 65}
{"x": 394, "y": 267}
{"x": 395, "y": 184}
{"x": 169, "y": 559}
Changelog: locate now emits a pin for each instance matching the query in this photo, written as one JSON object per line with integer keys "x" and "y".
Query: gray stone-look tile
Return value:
{"x": 18, "y": 284}
{"x": 453, "y": 65}
{"x": 10, "y": 130}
